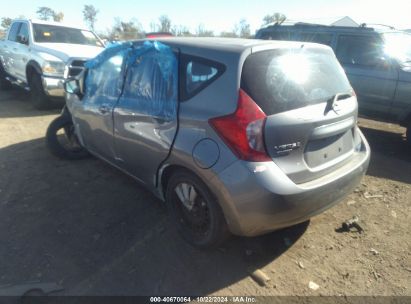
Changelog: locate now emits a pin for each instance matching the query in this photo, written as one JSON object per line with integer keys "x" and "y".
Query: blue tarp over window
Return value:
{"x": 151, "y": 82}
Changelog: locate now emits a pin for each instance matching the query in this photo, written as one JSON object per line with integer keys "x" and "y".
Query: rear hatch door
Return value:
{"x": 310, "y": 106}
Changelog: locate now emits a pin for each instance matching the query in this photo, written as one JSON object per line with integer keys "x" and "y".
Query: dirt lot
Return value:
{"x": 94, "y": 231}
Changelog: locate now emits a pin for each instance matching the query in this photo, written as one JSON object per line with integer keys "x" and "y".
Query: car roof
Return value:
{"x": 363, "y": 29}
{"x": 232, "y": 45}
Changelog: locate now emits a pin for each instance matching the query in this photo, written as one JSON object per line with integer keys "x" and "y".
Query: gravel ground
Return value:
{"x": 92, "y": 230}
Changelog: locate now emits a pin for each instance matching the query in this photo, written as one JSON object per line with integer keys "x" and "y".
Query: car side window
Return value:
{"x": 103, "y": 83}
{"x": 13, "y": 31}
{"x": 359, "y": 50}
{"x": 278, "y": 35}
{"x": 151, "y": 85}
{"x": 23, "y": 34}
{"x": 197, "y": 74}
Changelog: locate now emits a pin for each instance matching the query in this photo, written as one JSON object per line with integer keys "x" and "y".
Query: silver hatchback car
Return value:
{"x": 240, "y": 136}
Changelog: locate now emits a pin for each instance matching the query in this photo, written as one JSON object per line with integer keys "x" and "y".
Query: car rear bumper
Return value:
{"x": 258, "y": 197}
{"x": 53, "y": 87}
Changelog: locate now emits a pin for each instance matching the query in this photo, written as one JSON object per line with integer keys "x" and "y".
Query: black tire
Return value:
{"x": 39, "y": 98}
{"x": 4, "y": 83}
{"x": 66, "y": 145}
{"x": 408, "y": 134}
{"x": 213, "y": 229}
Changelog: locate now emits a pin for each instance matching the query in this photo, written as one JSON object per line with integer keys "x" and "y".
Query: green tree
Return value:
{"x": 165, "y": 23}
{"x": 276, "y": 18}
{"x": 58, "y": 17}
{"x": 45, "y": 13}
{"x": 5, "y": 22}
{"x": 90, "y": 15}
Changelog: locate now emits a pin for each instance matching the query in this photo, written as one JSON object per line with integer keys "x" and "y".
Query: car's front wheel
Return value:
{"x": 39, "y": 98}
{"x": 4, "y": 83}
{"x": 195, "y": 210}
{"x": 62, "y": 140}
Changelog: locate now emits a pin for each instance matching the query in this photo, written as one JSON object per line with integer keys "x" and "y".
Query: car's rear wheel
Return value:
{"x": 4, "y": 83}
{"x": 62, "y": 141}
{"x": 39, "y": 98}
{"x": 196, "y": 212}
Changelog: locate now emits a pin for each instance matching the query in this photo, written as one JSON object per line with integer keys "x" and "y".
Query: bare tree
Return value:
{"x": 165, "y": 23}
{"x": 276, "y": 18}
{"x": 126, "y": 30}
{"x": 181, "y": 30}
{"x": 153, "y": 26}
{"x": 45, "y": 13}
{"x": 90, "y": 15}
{"x": 243, "y": 29}
{"x": 230, "y": 34}
{"x": 203, "y": 32}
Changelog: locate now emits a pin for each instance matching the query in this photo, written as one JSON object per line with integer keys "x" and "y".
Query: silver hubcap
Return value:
{"x": 187, "y": 195}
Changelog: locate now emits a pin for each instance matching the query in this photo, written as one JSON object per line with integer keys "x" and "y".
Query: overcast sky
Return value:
{"x": 220, "y": 15}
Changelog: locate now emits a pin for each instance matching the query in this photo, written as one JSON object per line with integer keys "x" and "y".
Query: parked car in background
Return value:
{"x": 40, "y": 55}
{"x": 238, "y": 135}
{"x": 377, "y": 62}
{"x": 158, "y": 34}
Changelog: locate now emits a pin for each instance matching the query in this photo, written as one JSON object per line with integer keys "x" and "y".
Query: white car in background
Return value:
{"x": 41, "y": 55}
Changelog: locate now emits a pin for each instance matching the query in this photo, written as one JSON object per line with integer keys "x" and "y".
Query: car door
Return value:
{"x": 9, "y": 49}
{"x": 145, "y": 117}
{"x": 93, "y": 114}
{"x": 373, "y": 76}
{"x": 21, "y": 53}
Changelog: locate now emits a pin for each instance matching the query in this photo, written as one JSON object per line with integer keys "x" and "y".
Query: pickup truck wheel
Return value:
{"x": 195, "y": 211}
{"x": 38, "y": 97}
{"x": 4, "y": 83}
{"x": 62, "y": 141}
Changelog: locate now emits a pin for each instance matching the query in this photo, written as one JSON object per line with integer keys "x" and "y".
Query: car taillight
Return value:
{"x": 243, "y": 130}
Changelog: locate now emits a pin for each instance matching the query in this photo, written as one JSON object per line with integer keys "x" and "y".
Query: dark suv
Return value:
{"x": 376, "y": 61}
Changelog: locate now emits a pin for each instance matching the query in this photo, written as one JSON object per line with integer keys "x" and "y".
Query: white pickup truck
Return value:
{"x": 39, "y": 56}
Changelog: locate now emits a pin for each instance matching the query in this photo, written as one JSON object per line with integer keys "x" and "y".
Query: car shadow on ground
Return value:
{"x": 8, "y": 109}
{"x": 390, "y": 155}
{"x": 95, "y": 231}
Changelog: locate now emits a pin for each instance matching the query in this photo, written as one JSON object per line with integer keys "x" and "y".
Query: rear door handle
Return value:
{"x": 103, "y": 109}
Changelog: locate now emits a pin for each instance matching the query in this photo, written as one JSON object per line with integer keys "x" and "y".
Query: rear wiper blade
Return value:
{"x": 334, "y": 98}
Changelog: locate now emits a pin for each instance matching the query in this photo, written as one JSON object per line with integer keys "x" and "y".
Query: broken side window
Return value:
{"x": 151, "y": 83}
{"x": 104, "y": 78}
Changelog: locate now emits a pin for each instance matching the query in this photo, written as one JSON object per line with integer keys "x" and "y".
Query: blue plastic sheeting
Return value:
{"x": 105, "y": 81}
{"x": 151, "y": 84}
{"x": 109, "y": 52}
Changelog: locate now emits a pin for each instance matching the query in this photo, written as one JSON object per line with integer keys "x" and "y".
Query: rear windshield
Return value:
{"x": 60, "y": 34}
{"x": 286, "y": 79}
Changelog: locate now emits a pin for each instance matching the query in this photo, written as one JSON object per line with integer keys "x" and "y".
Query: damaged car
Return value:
{"x": 237, "y": 136}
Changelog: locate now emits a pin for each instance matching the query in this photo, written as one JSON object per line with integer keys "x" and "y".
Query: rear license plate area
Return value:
{"x": 321, "y": 151}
